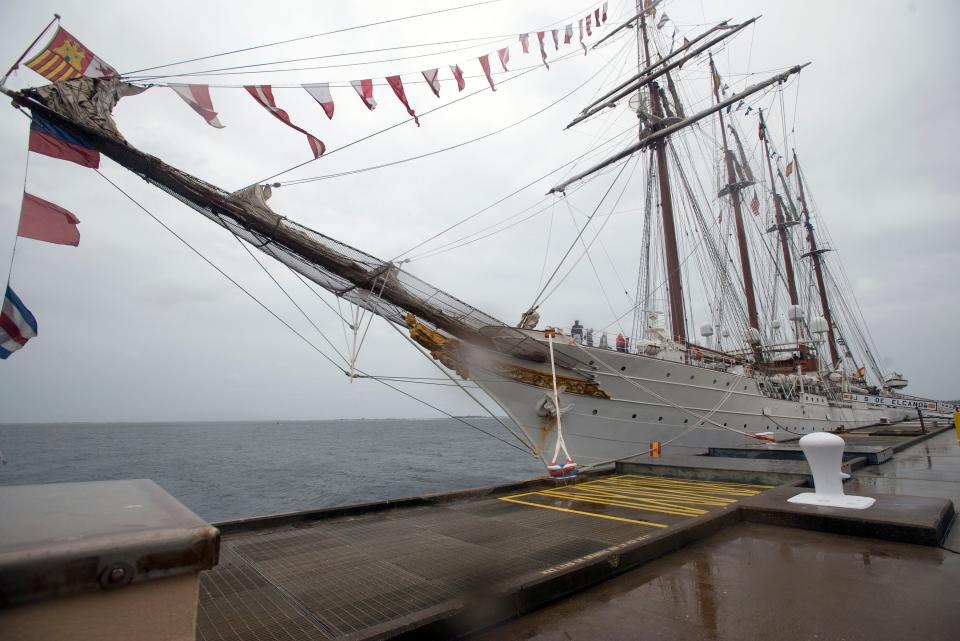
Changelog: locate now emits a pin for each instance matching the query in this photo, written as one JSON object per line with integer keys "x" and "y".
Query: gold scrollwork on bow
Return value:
{"x": 544, "y": 380}
{"x": 441, "y": 348}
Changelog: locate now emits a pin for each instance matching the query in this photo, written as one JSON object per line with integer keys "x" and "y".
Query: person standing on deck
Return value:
{"x": 589, "y": 337}
{"x": 576, "y": 332}
{"x": 603, "y": 342}
{"x": 621, "y": 343}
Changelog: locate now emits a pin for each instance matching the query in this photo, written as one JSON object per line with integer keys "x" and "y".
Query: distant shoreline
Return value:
{"x": 245, "y": 421}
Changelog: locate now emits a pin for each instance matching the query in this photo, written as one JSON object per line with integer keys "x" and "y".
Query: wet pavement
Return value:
{"x": 755, "y": 582}
{"x": 929, "y": 468}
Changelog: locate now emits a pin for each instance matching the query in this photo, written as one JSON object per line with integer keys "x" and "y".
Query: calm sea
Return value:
{"x": 230, "y": 470}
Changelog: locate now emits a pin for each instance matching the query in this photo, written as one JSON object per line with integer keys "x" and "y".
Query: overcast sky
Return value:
{"x": 134, "y": 326}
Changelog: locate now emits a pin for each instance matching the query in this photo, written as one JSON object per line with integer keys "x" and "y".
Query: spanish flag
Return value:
{"x": 65, "y": 58}
{"x": 862, "y": 372}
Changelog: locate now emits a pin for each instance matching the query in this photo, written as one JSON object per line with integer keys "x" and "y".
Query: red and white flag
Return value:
{"x": 556, "y": 39}
{"x": 17, "y": 324}
{"x": 504, "y": 55}
{"x": 432, "y": 76}
{"x": 603, "y": 12}
{"x": 198, "y": 97}
{"x": 543, "y": 52}
{"x": 568, "y": 34}
{"x": 458, "y": 75}
{"x": 755, "y": 204}
{"x": 525, "y": 42}
{"x": 263, "y": 94}
{"x": 364, "y": 89}
{"x": 485, "y": 63}
{"x": 42, "y": 220}
{"x": 596, "y": 17}
{"x": 589, "y": 22}
{"x": 321, "y": 93}
{"x": 397, "y": 86}
{"x": 580, "y": 24}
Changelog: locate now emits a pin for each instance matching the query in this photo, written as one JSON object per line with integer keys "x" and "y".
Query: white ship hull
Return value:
{"x": 656, "y": 399}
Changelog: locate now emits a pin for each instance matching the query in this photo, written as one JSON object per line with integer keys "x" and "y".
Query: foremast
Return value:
{"x": 671, "y": 250}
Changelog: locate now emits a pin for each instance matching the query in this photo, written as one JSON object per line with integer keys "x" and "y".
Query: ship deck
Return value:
{"x": 705, "y": 552}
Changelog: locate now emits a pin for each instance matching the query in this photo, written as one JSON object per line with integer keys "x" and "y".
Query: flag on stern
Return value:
{"x": 17, "y": 324}
{"x": 198, "y": 97}
{"x": 51, "y": 140}
{"x": 42, "y": 220}
{"x": 263, "y": 94}
{"x": 65, "y": 58}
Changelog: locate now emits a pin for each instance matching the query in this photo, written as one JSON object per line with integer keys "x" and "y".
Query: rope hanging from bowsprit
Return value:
{"x": 569, "y": 468}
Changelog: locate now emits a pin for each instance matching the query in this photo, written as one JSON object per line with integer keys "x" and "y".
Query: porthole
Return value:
{"x": 714, "y": 381}
{"x": 744, "y": 388}
{"x": 691, "y": 377}
{"x": 727, "y": 383}
{"x": 594, "y": 412}
{"x": 724, "y": 424}
{"x": 623, "y": 369}
{"x": 591, "y": 362}
{"x": 668, "y": 374}
{"x": 660, "y": 419}
{"x": 634, "y": 416}
{"x": 744, "y": 425}
{"x": 686, "y": 420}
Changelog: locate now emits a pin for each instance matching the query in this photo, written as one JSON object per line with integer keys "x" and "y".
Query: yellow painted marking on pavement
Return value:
{"x": 565, "y": 509}
{"x": 672, "y": 496}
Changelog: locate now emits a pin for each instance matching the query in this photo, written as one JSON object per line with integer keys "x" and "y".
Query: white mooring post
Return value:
{"x": 824, "y": 454}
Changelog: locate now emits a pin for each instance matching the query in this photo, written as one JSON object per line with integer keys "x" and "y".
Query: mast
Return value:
{"x": 733, "y": 190}
{"x": 815, "y": 254}
{"x": 782, "y": 224}
{"x": 674, "y": 285}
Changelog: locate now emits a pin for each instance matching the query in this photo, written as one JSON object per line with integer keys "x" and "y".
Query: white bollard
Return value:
{"x": 824, "y": 454}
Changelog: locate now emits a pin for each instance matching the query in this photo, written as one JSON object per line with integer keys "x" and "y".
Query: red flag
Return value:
{"x": 525, "y": 42}
{"x": 755, "y": 204}
{"x": 568, "y": 34}
{"x": 604, "y": 13}
{"x": 263, "y": 94}
{"x": 42, "y": 220}
{"x": 50, "y": 140}
{"x": 320, "y": 92}
{"x": 485, "y": 63}
{"x": 504, "y": 55}
{"x": 596, "y": 16}
{"x": 589, "y": 21}
{"x": 556, "y": 39}
{"x": 432, "y": 76}
{"x": 458, "y": 74}
{"x": 580, "y": 23}
{"x": 198, "y": 97}
{"x": 364, "y": 89}
{"x": 397, "y": 86}
{"x": 543, "y": 52}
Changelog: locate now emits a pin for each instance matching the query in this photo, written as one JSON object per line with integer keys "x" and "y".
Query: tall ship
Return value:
{"x": 742, "y": 324}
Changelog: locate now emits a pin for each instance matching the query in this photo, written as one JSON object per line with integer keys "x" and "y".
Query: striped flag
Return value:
{"x": 397, "y": 86}
{"x": 51, "y": 140}
{"x": 525, "y": 42}
{"x": 458, "y": 75}
{"x": 556, "y": 39}
{"x": 320, "y": 91}
{"x": 432, "y": 76}
{"x": 263, "y": 94}
{"x": 504, "y": 55}
{"x": 543, "y": 52}
{"x": 568, "y": 34}
{"x": 485, "y": 64}
{"x": 604, "y": 12}
{"x": 17, "y": 324}
{"x": 198, "y": 97}
{"x": 65, "y": 58}
{"x": 364, "y": 89}
{"x": 755, "y": 204}
{"x": 589, "y": 23}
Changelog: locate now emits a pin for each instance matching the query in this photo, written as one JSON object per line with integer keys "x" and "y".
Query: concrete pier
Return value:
{"x": 468, "y": 563}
